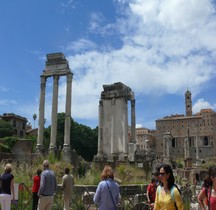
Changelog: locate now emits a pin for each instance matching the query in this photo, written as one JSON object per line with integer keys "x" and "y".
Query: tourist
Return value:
{"x": 207, "y": 196}
{"x": 35, "y": 188}
{"x": 67, "y": 187}
{"x": 151, "y": 192}
{"x": 156, "y": 173}
{"x": 7, "y": 187}
{"x": 167, "y": 194}
{"x": 48, "y": 186}
{"x": 107, "y": 193}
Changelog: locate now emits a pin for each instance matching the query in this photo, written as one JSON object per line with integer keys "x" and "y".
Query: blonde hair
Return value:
{"x": 8, "y": 168}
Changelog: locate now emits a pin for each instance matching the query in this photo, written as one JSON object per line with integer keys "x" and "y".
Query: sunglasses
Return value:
{"x": 162, "y": 174}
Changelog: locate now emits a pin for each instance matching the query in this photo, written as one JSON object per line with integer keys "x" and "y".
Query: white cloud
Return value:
{"x": 5, "y": 102}
{"x": 3, "y": 89}
{"x": 202, "y": 104}
{"x": 167, "y": 45}
{"x": 81, "y": 45}
{"x": 138, "y": 125}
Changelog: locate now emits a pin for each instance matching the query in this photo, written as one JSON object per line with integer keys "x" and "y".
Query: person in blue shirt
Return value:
{"x": 107, "y": 193}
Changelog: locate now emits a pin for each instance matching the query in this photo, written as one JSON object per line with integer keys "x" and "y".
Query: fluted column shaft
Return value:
{"x": 68, "y": 111}
{"x": 54, "y": 112}
{"x": 100, "y": 128}
{"x": 133, "y": 122}
{"x": 41, "y": 112}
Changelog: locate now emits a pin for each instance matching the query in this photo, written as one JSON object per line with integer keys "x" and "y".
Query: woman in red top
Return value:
{"x": 151, "y": 192}
{"x": 210, "y": 192}
{"x": 35, "y": 188}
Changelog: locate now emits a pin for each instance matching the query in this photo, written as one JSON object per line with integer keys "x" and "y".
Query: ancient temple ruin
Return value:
{"x": 56, "y": 66}
{"x": 113, "y": 143}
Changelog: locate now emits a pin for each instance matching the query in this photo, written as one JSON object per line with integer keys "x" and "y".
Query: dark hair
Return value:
{"x": 207, "y": 182}
{"x": 67, "y": 170}
{"x": 39, "y": 171}
{"x": 212, "y": 171}
{"x": 153, "y": 180}
{"x": 107, "y": 173}
{"x": 171, "y": 180}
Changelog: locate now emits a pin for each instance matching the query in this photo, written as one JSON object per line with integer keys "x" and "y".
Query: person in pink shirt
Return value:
{"x": 209, "y": 193}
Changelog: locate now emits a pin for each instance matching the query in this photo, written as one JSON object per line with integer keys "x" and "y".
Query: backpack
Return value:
{"x": 172, "y": 193}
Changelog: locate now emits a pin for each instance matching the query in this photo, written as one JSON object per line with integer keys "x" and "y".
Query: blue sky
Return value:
{"x": 157, "y": 48}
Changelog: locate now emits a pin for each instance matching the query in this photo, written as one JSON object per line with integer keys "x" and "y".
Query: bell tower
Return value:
{"x": 188, "y": 103}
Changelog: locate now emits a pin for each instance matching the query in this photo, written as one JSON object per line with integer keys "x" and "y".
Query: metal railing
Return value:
{"x": 132, "y": 198}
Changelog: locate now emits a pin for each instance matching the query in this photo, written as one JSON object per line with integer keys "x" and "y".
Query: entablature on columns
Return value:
{"x": 56, "y": 64}
{"x": 117, "y": 90}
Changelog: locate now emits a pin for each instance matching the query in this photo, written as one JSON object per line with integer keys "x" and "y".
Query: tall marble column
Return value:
{"x": 39, "y": 146}
{"x": 54, "y": 113}
{"x": 164, "y": 146}
{"x": 133, "y": 122}
{"x": 125, "y": 132}
{"x": 197, "y": 149}
{"x": 68, "y": 112}
{"x": 100, "y": 129}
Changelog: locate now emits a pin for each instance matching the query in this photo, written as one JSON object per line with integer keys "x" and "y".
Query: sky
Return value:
{"x": 158, "y": 48}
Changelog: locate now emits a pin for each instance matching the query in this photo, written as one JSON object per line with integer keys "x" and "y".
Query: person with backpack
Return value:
{"x": 168, "y": 196}
{"x": 151, "y": 192}
{"x": 207, "y": 196}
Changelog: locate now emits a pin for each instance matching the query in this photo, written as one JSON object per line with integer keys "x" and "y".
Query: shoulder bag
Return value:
{"x": 111, "y": 195}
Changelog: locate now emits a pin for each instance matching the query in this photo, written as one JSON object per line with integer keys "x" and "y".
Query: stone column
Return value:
{"x": 54, "y": 113}
{"x": 125, "y": 133}
{"x": 186, "y": 148}
{"x": 112, "y": 135}
{"x": 100, "y": 129}
{"x": 164, "y": 146}
{"x": 39, "y": 146}
{"x": 68, "y": 111}
{"x": 197, "y": 149}
{"x": 168, "y": 147}
{"x": 133, "y": 122}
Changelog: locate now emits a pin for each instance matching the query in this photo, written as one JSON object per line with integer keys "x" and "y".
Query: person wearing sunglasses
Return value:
{"x": 168, "y": 196}
{"x": 208, "y": 192}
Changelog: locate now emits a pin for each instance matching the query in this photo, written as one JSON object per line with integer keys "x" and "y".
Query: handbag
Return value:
{"x": 111, "y": 195}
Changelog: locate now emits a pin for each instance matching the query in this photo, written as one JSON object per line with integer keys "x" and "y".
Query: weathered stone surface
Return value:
{"x": 113, "y": 122}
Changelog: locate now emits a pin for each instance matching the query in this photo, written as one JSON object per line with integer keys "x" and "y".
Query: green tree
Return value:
{"x": 83, "y": 139}
{"x": 6, "y": 129}
{"x": 34, "y": 118}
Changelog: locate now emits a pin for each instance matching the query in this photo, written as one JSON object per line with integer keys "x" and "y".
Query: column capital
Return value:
{"x": 69, "y": 77}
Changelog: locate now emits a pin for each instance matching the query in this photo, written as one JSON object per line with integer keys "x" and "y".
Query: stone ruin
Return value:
{"x": 56, "y": 66}
{"x": 113, "y": 143}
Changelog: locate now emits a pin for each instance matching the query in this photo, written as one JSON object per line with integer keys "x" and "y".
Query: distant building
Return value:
{"x": 198, "y": 129}
{"x": 18, "y": 123}
{"x": 145, "y": 138}
{"x": 32, "y": 132}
